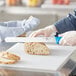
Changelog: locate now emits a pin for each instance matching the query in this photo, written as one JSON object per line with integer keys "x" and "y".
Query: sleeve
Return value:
{"x": 11, "y": 28}
{"x": 16, "y": 28}
{"x": 10, "y": 23}
{"x": 66, "y": 24}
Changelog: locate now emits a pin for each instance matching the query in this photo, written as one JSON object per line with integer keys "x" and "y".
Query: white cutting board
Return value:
{"x": 53, "y": 62}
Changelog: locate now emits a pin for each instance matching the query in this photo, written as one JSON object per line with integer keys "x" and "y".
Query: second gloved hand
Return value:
{"x": 68, "y": 38}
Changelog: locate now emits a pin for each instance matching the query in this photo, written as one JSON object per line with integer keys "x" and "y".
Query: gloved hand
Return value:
{"x": 68, "y": 38}
{"x": 47, "y": 31}
{"x": 16, "y": 28}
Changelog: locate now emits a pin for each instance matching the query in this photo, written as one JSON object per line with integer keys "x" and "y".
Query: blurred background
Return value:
{"x": 48, "y": 11}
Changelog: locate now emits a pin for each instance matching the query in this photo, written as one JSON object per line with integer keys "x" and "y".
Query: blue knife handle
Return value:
{"x": 57, "y": 38}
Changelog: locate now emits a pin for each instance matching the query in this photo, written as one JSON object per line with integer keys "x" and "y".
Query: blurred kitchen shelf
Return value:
{"x": 59, "y": 6}
{"x": 27, "y": 10}
{"x": 44, "y": 9}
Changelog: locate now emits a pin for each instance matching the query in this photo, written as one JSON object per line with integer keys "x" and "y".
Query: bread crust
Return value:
{"x": 7, "y": 61}
{"x": 10, "y": 56}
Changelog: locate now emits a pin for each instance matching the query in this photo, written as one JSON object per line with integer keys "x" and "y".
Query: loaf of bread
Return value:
{"x": 8, "y": 58}
{"x": 36, "y": 48}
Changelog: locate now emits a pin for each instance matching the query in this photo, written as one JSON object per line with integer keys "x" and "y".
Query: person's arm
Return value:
{"x": 17, "y": 28}
{"x": 10, "y": 23}
{"x": 63, "y": 25}
{"x": 66, "y": 24}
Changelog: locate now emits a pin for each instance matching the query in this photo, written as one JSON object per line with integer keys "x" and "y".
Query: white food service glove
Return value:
{"x": 47, "y": 31}
{"x": 68, "y": 38}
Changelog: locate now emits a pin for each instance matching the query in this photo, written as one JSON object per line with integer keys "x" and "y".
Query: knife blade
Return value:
{"x": 29, "y": 39}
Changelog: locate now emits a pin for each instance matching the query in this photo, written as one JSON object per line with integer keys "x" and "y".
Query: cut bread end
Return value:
{"x": 10, "y": 56}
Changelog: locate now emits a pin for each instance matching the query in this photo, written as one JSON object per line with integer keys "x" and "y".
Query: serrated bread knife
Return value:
{"x": 32, "y": 39}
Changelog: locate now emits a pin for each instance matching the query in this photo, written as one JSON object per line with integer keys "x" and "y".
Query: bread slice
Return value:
{"x": 7, "y": 61}
{"x": 9, "y": 55}
{"x": 36, "y": 48}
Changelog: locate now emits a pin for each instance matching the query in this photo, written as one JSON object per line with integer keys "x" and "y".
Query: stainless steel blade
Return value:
{"x": 29, "y": 39}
